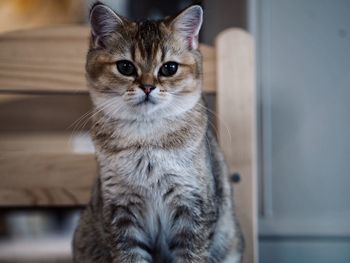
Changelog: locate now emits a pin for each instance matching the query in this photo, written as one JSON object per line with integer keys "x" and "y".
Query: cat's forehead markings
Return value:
{"x": 137, "y": 55}
{"x": 132, "y": 52}
{"x": 148, "y": 38}
{"x": 159, "y": 55}
{"x": 164, "y": 51}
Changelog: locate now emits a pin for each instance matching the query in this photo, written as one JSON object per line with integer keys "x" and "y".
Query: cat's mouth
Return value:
{"x": 146, "y": 100}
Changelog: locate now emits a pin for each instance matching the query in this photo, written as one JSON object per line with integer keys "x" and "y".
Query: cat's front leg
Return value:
{"x": 189, "y": 247}
{"x": 127, "y": 238}
{"x": 191, "y": 235}
{"x": 132, "y": 254}
{"x": 189, "y": 254}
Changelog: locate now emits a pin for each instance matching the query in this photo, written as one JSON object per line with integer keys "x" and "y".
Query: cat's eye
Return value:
{"x": 168, "y": 69}
{"x": 126, "y": 67}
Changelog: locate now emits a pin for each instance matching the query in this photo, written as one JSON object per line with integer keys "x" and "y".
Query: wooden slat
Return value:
{"x": 209, "y": 68}
{"x": 50, "y": 60}
{"x": 36, "y": 250}
{"x": 46, "y": 179}
{"x": 43, "y": 113}
{"x": 237, "y": 125}
{"x": 53, "y": 59}
{"x": 36, "y": 142}
{"x": 27, "y": 14}
{"x": 49, "y": 143}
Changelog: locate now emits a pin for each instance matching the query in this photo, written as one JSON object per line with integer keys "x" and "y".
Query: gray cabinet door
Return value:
{"x": 303, "y": 49}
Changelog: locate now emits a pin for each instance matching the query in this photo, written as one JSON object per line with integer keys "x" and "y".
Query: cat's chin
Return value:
{"x": 145, "y": 108}
{"x": 148, "y": 102}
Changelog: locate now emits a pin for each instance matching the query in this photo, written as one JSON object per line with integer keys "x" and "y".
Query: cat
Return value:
{"x": 162, "y": 194}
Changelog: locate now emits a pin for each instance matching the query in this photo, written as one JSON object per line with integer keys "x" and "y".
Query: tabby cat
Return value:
{"x": 162, "y": 194}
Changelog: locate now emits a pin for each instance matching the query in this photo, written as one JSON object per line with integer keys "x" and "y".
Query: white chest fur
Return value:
{"x": 147, "y": 167}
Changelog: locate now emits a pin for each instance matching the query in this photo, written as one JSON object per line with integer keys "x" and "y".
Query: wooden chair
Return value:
{"x": 43, "y": 91}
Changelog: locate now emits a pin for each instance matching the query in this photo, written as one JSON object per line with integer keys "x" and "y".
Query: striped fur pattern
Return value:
{"x": 162, "y": 195}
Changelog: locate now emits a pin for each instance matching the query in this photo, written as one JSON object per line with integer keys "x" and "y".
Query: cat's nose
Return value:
{"x": 147, "y": 89}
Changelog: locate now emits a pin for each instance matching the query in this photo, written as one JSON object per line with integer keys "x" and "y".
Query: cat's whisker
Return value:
{"x": 216, "y": 116}
{"x": 220, "y": 120}
{"x": 79, "y": 124}
{"x": 79, "y": 119}
{"x": 82, "y": 121}
{"x": 76, "y": 124}
{"x": 102, "y": 107}
{"x": 209, "y": 146}
{"x": 215, "y": 129}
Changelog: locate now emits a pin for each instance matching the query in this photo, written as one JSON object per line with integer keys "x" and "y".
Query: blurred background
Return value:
{"x": 303, "y": 84}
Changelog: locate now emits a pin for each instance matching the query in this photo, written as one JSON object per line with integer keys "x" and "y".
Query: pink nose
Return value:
{"x": 147, "y": 89}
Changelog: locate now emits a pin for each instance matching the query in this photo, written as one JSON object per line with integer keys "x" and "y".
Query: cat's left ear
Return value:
{"x": 188, "y": 23}
{"x": 104, "y": 22}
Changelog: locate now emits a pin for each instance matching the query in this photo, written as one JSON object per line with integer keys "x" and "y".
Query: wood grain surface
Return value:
{"x": 46, "y": 179}
{"x": 236, "y": 109}
{"x": 53, "y": 59}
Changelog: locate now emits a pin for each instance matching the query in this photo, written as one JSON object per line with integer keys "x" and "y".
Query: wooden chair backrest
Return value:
{"x": 43, "y": 91}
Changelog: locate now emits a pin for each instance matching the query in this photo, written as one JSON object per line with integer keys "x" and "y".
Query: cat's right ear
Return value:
{"x": 104, "y": 21}
{"x": 188, "y": 24}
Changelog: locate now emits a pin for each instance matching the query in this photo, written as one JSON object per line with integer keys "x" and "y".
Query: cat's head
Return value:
{"x": 144, "y": 69}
